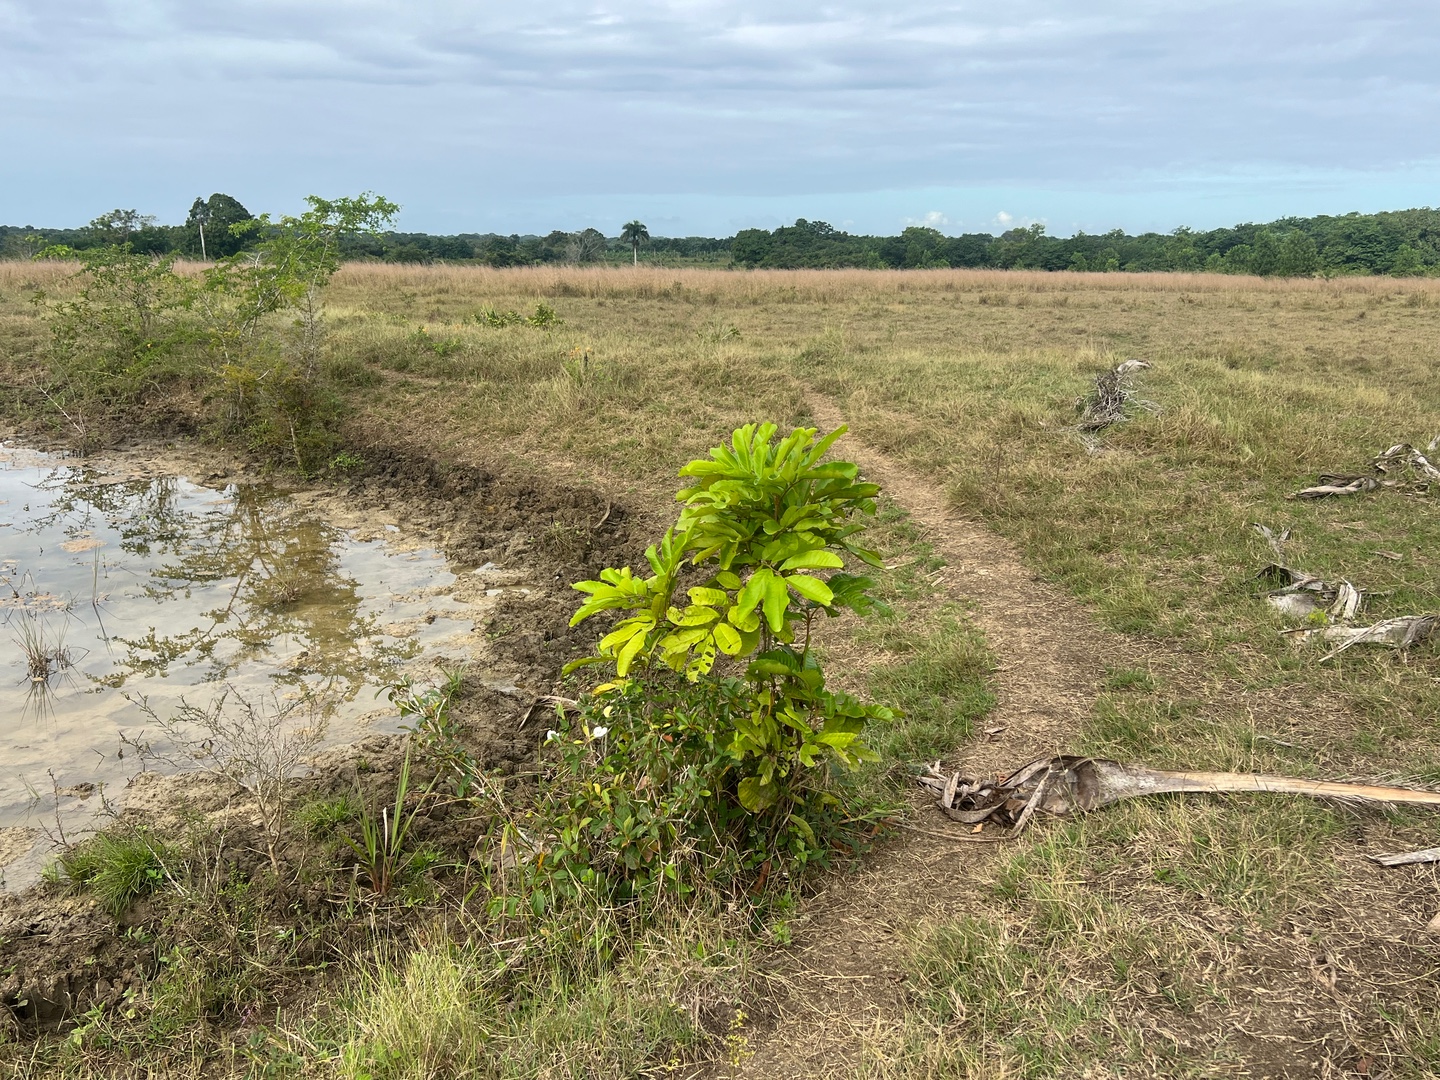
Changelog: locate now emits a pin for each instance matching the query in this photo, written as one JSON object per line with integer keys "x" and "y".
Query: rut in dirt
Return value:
{"x": 843, "y": 976}
{"x": 1050, "y": 654}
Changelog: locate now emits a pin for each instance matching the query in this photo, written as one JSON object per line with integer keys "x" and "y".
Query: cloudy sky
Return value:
{"x": 701, "y": 117}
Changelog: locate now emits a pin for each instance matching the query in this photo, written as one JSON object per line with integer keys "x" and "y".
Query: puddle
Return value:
{"x": 117, "y": 588}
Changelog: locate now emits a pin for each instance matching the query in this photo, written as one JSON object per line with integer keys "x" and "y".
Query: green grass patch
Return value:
{"x": 942, "y": 686}
{"x": 117, "y": 867}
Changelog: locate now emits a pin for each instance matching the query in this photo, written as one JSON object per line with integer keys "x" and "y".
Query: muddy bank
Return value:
{"x": 64, "y": 954}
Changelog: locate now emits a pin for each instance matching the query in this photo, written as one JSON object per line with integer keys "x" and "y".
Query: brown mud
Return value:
{"x": 63, "y": 954}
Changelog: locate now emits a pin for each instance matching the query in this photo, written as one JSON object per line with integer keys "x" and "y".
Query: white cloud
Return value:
{"x": 449, "y": 102}
{"x": 934, "y": 219}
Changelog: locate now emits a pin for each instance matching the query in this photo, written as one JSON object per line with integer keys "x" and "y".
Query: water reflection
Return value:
{"x": 116, "y": 588}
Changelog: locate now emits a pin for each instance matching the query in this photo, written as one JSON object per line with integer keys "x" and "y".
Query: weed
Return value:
{"x": 1129, "y": 679}
{"x": 382, "y": 851}
{"x": 427, "y": 718}
{"x": 488, "y": 316}
{"x": 441, "y": 347}
{"x": 544, "y": 316}
{"x": 46, "y": 655}
{"x": 260, "y": 746}
{"x": 118, "y": 866}
{"x": 323, "y": 818}
{"x": 430, "y": 1016}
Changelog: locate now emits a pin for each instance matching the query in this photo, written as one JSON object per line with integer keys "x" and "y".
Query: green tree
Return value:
{"x": 720, "y": 729}
{"x": 1180, "y": 252}
{"x": 923, "y": 248}
{"x": 1407, "y": 262}
{"x": 271, "y": 379}
{"x": 1237, "y": 260}
{"x": 1265, "y": 254}
{"x": 1299, "y": 257}
{"x": 211, "y": 226}
{"x": 634, "y": 233}
{"x": 118, "y": 226}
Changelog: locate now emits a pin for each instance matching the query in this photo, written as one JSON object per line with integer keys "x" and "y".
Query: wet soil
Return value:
{"x": 63, "y": 954}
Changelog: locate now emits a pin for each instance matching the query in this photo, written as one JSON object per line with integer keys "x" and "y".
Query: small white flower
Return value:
{"x": 552, "y": 735}
{"x": 599, "y": 732}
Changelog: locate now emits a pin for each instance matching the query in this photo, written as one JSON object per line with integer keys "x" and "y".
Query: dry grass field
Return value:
{"x": 1205, "y": 936}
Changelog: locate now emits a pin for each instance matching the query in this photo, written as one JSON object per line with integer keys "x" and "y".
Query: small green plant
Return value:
{"x": 488, "y": 316}
{"x": 710, "y": 747}
{"x": 125, "y": 333}
{"x": 345, "y": 461}
{"x": 428, "y": 719}
{"x": 578, "y": 368}
{"x": 382, "y": 850}
{"x": 441, "y": 347}
{"x": 323, "y": 818}
{"x": 544, "y": 316}
{"x": 118, "y": 867}
{"x": 718, "y": 332}
{"x": 1129, "y": 679}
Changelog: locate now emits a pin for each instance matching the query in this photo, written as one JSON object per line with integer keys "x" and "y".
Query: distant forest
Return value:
{"x": 1402, "y": 242}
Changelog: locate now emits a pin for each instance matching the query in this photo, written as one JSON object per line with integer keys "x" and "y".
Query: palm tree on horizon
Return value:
{"x": 634, "y": 232}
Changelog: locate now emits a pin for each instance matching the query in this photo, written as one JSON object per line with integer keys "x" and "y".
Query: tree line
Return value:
{"x": 1401, "y": 242}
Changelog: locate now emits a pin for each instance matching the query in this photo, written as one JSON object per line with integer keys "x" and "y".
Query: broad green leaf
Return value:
{"x": 755, "y": 796}
{"x": 817, "y": 451}
{"x": 810, "y": 588}
{"x": 584, "y": 661}
{"x": 813, "y": 560}
{"x": 837, "y": 739}
{"x": 764, "y": 669}
{"x": 709, "y": 597}
{"x": 692, "y": 616}
{"x": 753, "y": 593}
{"x": 746, "y": 624}
{"x": 777, "y": 600}
{"x": 628, "y": 654}
{"x": 681, "y": 640}
{"x": 728, "y": 639}
{"x": 623, "y": 631}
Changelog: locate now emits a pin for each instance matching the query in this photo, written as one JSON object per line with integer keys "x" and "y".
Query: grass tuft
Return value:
{"x": 117, "y": 867}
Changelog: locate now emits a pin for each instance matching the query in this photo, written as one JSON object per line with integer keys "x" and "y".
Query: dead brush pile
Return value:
{"x": 1111, "y": 400}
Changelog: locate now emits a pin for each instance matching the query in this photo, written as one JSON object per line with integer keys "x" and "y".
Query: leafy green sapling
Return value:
{"x": 766, "y": 528}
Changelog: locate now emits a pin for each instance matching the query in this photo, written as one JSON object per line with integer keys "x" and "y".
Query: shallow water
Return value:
{"x": 118, "y": 592}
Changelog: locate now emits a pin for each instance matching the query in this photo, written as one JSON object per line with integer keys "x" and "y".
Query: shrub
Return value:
{"x": 709, "y": 752}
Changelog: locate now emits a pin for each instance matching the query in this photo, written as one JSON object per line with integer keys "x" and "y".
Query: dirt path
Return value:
{"x": 842, "y": 980}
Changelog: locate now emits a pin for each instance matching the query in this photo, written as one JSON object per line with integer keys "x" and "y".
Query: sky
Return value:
{"x": 702, "y": 117}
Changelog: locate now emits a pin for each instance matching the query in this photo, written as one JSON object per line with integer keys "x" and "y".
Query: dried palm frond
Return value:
{"x": 1114, "y": 393}
{"x": 1066, "y": 784}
